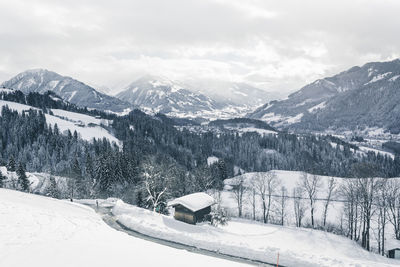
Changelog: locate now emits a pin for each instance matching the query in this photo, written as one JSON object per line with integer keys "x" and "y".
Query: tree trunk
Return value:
{"x": 269, "y": 206}
{"x": 264, "y": 210}
{"x": 312, "y": 214}
{"x": 254, "y": 205}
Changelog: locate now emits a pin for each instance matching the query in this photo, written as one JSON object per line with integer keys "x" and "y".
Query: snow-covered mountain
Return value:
{"x": 367, "y": 96}
{"x": 71, "y": 90}
{"x": 233, "y": 93}
{"x": 190, "y": 100}
{"x": 162, "y": 95}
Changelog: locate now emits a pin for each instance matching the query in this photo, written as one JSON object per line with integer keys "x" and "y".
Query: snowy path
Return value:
{"x": 110, "y": 219}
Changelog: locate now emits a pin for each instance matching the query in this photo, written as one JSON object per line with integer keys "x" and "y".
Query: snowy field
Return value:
{"x": 290, "y": 179}
{"x": 37, "y": 231}
{"x": 296, "y": 246}
{"x": 70, "y": 121}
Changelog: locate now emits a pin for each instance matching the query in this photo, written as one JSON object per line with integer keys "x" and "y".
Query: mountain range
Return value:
{"x": 356, "y": 99}
{"x": 69, "y": 89}
{"x": 150, "y": 93}
{"x": 360, "y": 98}
{"x": 161, "y": 95}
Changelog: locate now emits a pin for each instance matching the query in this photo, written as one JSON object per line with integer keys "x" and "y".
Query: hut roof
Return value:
{"x": 194, "y": 202}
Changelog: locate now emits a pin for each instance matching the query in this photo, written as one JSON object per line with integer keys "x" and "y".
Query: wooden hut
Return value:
{"x": 192, "y": 208}
{"x": 394, "y": 253}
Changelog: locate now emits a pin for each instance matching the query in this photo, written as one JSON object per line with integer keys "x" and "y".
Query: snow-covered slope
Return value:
{"x": 234, "y": 93}
{"x": 360, "y": 97}
{"x": 71, "y": 90}
{"x": 182, "y": 99}
{"x": 38, "y": 231}
{"x": 290, "y": 180}
{"x": 66, "y": 120}
{"x": 296, "y": 246}
{"x": 163, "y": 95}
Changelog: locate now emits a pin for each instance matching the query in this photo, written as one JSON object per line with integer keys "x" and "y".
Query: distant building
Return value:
{"x": 394, "y": 253}
{"x": 192, "y": 208}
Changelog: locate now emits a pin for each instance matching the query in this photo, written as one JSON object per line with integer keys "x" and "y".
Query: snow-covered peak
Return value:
{"x": 69, "y": 89}
{"x": 160, "y": 94}
{"x": 158, "y": 82}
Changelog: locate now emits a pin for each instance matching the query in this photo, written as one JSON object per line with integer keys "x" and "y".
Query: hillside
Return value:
{"x": 87, "y": 127}
{"x": 40, "y": 231}
{"x": 253, "y": 240}
{"x": 359, "y": 98}
{"x": 69, "y": 89}
{"x": 296, "y": 204}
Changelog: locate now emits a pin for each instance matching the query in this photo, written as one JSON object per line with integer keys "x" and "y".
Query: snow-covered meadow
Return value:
{"x": 39, "y": 231}
{"x": 253, "y": 240}
{"x": 290, "y": 180}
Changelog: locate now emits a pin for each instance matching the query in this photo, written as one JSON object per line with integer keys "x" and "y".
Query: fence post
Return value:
{"x": 277, "y": 262}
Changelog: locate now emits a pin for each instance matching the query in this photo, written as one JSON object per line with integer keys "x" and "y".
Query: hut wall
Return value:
{"x": 201, "y": 213}
{"x": 185, "y": 215}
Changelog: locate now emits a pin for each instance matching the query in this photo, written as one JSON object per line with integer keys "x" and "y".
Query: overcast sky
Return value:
{"x": 276, "y": 45}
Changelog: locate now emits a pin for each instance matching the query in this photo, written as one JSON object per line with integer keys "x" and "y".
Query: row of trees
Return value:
{"x": 266, "y": 189}
{"x": 368, "y": 204}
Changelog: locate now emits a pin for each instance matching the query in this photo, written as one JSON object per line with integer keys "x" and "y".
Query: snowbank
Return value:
{"x": 41, "y": 231}
{"x": 296, "y": 247}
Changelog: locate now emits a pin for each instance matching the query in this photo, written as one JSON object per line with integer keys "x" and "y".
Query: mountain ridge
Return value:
{"x": 70, "y": 89}
{"x": 365, "y": 96}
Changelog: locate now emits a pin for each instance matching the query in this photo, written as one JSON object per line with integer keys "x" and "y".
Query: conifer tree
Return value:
{"x": 11, "y": 164}
{"x": 22, "y": 178}
{"x": 79, "y": 181}
{"x": 2, "y": 178}
{"x": 52, "y": 189}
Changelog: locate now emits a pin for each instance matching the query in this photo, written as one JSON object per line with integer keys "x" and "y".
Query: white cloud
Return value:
{"x": 278, "y": 45}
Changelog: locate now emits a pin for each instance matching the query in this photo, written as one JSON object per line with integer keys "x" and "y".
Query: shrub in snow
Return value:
{"x": 218, "y": 218}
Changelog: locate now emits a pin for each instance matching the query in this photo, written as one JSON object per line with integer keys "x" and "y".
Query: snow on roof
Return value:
{"x": 194, "y": 202}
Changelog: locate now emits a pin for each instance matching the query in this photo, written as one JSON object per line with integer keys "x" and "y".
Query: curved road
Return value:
{"x": 109, "y": 219}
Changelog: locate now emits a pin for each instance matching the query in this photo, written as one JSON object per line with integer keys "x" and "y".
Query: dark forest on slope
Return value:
{"x": 100, "y": 168}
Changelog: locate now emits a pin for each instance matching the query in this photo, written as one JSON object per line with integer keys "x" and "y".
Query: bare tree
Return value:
{"x": 155, "y": 184}
{"x": 298, "y": 204}
{"x": 266, "y": 184}
{"x": 349, "y": 191}
{"x": 282, "y": 204}
{"x": 252, "y": 197}
{"x": 331, "y": 192}
{"x": 382, "y": 215}
{"x": 238, "y": 189}
{"x": 311, "y": 185}
{"x": 367, "y": 188}
{"x": 393, "y": 203}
